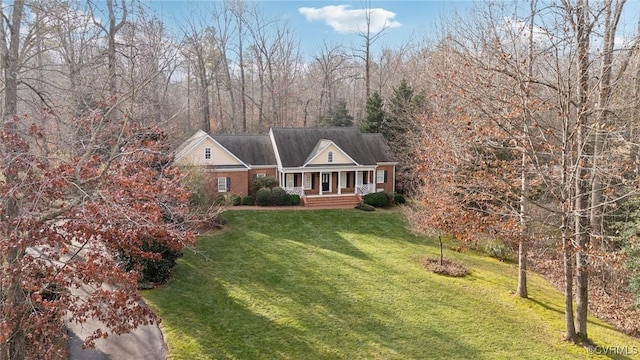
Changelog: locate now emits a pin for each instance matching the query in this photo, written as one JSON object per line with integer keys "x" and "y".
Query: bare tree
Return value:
{"x": 111, "y": 31}
{"x": 369, "y": 36}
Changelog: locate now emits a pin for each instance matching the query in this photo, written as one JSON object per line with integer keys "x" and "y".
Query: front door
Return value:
{"x": 326, "y": 178}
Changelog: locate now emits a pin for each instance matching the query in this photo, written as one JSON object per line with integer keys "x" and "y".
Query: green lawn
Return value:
{"x": 346, "y": 284}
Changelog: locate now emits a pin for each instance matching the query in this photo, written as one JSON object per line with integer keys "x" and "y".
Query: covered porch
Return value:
{"x": 327, "y": 181}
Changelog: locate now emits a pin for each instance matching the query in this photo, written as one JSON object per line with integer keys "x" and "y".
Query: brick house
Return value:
{"x": 322, "y": 165}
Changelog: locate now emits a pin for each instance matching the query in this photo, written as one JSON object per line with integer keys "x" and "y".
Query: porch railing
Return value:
{"x": 365, "y": 189}
{"x": 295, "y": 191}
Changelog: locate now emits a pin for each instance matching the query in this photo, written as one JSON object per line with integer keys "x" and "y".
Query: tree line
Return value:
{"x": 516, "y": 122}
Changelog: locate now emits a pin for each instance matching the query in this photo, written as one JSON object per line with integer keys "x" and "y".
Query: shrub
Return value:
{"x": 151, "y": 270}
{"x": 263, "y": 197}
{"x": 268, "y": 182}
{"x": 279, "y": 196}
{"x": 236, "y": 200}
{"x": 247, "y": 200}
{"x": 293, "y": 199}
{"x": 499, "y": 251}
{"x": 200, "y": 192}
{"x": 221, "y": 199}
{"x": 399, "y": 199}
{"x": 377, "y": 199}
{"x": 365, "y": 207}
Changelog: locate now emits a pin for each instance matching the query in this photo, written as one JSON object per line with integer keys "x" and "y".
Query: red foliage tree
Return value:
{"x": 65, "y": 218}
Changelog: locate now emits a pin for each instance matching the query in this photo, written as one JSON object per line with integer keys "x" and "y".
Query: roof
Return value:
{"x": 251, "y": 149}
{"x": 296, "y": 144}
{"x": 378, "y": 147}
{"x": 188, "y": 145}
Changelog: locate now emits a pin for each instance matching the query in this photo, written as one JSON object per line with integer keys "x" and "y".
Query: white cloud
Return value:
{"x": 344, "y": 20}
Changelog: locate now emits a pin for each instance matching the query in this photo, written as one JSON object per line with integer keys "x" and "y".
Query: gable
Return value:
{"x": 219, "y": 156}
{"x": 320, "y": 155}
{"x": 294, "y": 146}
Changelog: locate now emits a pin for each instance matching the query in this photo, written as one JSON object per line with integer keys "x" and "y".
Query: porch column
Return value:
{"x": 355, "y": 184}
{"x": 339, "y": 182}
{"x": 320, "y": 182}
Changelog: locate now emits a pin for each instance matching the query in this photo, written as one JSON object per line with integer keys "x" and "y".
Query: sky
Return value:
{"x": 336, "y": 22}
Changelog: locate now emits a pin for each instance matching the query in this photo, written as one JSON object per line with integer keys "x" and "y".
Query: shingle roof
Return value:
{"x": 251, "y": 149}
{"x": 295, "y": 144}
{"x": 378, "y": 147}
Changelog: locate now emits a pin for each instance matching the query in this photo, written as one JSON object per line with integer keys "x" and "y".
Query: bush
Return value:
{"x": 247, "y": 200}
{"x": 200, "y": 192}
{"x": 236, "y": 200}
{"x": 279, "y": 196}
{"x": 263, "y": 197}
{"x": 293, "y": 199}
{"x": 377, "y": 199}
{"x": 268, "y": 182}
{"x": 399, "y": 199}
{"x": 221, "y": 199}
{"x": 152, "y": 271}
{"x": 498, "y": 251}
{"x": 365, "y": 207}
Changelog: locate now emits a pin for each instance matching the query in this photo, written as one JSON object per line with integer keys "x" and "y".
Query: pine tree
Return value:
{"x": 375, "y": 114}
{"x": 400, "y": 130}
{"x": 338, "y": 115}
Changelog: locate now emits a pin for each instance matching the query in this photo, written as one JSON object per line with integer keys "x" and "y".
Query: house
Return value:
{"x": 322, "y": 165}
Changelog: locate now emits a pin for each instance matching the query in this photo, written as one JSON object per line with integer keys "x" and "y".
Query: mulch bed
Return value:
{"x": 447, "y": 268}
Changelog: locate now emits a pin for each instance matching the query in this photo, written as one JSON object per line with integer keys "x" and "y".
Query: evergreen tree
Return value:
{"x": 375, "y": 114}
{"x": 401, "y": 131}
{"x": 338, "y": 115}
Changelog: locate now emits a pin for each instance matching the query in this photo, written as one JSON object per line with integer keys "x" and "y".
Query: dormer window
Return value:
{"x": 207, "y": 153}
{"x": 330, "y": 157}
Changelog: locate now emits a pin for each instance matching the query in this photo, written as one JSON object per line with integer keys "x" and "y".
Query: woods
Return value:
{"x": 517, "y": 122}
{"x": 543, "y": 97}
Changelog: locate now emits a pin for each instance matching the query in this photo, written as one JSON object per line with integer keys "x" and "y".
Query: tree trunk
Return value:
{"x": 243, "y": 86}
{"x": 612, "y": 18}
{"x": 521, "y": 290}
{"x": 112, "y": 31}
{"x": 14, "y": 347}
{"x": 567, "y": 258}
{"x": 206, "y": 108}
{"x": 581, "y": 210}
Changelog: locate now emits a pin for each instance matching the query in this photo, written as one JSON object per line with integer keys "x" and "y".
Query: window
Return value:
{"x": 224, "y": 184}
{"x": 307, "y": 181}
{"x": 259, "y": 175}
{"x": 207, "y": 153}
{"x": 381, "y": 176}
{"x": 344, "y": 180}
{"x": 288, "y": 181}
{"x": 330, "y": 157}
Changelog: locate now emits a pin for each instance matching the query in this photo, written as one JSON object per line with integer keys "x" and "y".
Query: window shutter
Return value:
{"x": 365, "y": 178}
{"x": 295, "y": 180}
{"x": 313, "y": 181}
{"x": 385, "y": 176}
{"x": 228, "y": 184}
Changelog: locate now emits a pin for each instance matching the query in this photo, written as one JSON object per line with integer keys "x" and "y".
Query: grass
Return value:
{"x": 347, "y": 284}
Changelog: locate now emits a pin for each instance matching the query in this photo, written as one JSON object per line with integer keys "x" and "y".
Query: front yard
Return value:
{"x": 347, "y": 284}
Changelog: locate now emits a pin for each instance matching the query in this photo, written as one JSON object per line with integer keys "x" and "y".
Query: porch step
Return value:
{"x": 332, "y": 201}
